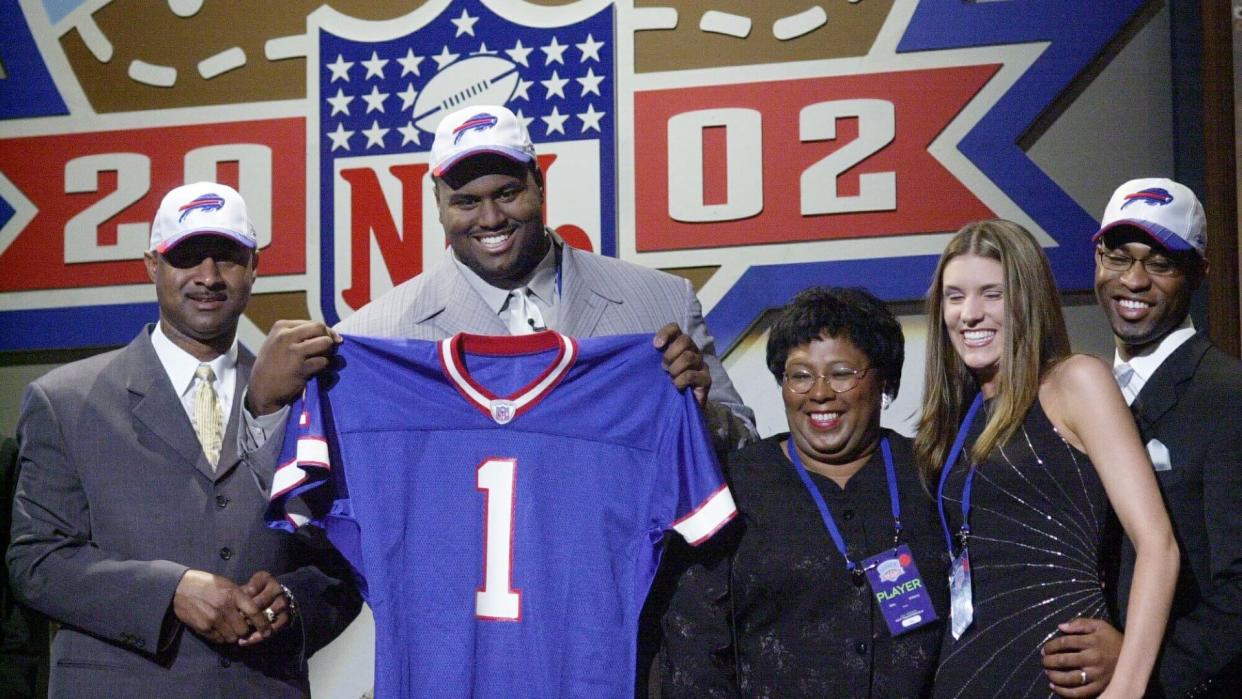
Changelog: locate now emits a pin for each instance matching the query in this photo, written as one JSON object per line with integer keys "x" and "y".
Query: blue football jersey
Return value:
{"x": 503, "y": 502}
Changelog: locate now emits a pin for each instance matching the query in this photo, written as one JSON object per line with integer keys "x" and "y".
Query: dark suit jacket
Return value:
{"x": 116, "y": 501}
{"x": 1193, "y": 405}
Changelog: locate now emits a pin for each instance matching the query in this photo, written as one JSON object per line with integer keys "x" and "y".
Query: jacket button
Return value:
{"x": 225, "y": 662}
{"x": 861, "y": 648}
{"x": 847, "y": 515}
{"x": 226, "y": 553}
{"x": 222, "y": 502}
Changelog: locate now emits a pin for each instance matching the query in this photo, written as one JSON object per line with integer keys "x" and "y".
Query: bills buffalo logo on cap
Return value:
{"x": 479, "y": 122}
{"x": 204, "y": 202}
{"x": 1152, "y": 195}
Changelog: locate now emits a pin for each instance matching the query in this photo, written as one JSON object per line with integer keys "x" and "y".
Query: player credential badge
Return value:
{"x": 380, "y": 90}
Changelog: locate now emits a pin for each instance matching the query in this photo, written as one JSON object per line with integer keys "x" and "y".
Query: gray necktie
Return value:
{"x": 1124, "y": 373}
{"x": 524, "y": 315}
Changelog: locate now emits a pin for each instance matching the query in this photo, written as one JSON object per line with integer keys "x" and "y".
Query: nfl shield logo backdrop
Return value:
{"x": 379, "y": 90}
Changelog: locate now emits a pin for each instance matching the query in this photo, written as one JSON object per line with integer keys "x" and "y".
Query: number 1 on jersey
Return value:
{"x": 497, "y": 600}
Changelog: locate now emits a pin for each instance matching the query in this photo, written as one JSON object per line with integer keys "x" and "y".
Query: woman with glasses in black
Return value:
{"x": 831, "y": 582}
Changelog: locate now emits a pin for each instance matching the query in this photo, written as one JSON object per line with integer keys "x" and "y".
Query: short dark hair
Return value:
{"x": 488, "y": 163}
{"x": 851, "y": 313}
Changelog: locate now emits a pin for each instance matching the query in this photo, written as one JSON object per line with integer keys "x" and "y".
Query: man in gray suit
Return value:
{"x": 509, "y": 274}
{"x": 137, "y": 522}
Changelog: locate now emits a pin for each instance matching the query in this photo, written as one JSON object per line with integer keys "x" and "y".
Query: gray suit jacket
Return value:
{"x": 600, "y": 296}
{"x": 115, "y": 501}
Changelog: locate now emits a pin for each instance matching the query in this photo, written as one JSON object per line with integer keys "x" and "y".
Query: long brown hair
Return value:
{"x": 1035, "y": 340}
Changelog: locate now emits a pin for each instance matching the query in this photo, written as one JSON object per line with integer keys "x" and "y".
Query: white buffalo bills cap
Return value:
{"x": 479, "y": 129}
{"x": 201, "y": 208}
{"x": 1165, "y": 210}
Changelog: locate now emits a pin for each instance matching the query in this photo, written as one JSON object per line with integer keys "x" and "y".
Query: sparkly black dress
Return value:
{"x": 1037, "y": 514}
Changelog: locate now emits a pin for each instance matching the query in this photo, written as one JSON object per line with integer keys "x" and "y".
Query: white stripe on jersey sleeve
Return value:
{"x": 313, "y": 451}
{"x": 711, "y": 515}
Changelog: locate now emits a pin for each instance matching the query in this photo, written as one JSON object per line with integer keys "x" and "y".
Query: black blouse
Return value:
{"x": 797, "y": 623}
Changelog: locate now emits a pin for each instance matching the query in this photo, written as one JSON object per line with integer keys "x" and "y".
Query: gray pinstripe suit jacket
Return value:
{"x": 600, "y": 296}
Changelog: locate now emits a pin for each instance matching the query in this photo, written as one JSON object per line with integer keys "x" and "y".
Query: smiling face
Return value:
{"x": 1142, "y": 307}
{"x": 830, "y": 429}
{"x": 492, "y": 212}
{"x": 973, "y": 301}
{"x": 203, "y": 285}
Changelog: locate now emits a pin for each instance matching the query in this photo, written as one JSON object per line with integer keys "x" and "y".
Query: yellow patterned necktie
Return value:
{"x": 207, "y": 416}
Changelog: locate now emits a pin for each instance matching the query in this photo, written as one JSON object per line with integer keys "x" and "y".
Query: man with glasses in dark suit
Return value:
{"x": 1185, "y": 395}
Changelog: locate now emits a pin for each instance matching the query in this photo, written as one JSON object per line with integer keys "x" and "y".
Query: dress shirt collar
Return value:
{"x": 180, "y": 366}
{"x": 542, "y": 282}
{"x": 1147, "y": 362}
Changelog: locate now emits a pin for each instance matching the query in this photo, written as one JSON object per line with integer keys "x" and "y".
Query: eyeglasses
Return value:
{"x": 840, "y": 378}
{"x": 1155, "y": 265}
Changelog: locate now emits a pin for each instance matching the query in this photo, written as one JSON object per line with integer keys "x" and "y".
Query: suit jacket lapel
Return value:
{"x": 451, "y": 305}
{"x": 582, "y": 303}
{"x": 1163, "y": 390}
{"x": 156, "y": 406}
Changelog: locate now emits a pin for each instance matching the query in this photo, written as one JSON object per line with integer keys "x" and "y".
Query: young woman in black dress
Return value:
{"x": 1027, "y": 446}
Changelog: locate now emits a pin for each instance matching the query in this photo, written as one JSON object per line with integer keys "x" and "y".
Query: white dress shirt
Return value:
{"x": 180, "y": 366}
{"x": 542, "y": 285}
{"x": 1146, "y": 363}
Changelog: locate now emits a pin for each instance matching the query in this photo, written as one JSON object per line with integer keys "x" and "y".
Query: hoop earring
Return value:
{"x": 885, "y": 401}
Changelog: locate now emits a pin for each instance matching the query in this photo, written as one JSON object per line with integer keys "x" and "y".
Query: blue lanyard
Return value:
{"x": 829, "y": 523}
{"x": 970, "y": 477}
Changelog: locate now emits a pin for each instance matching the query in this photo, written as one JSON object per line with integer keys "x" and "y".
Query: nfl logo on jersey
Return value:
{"x": 502, "y": 411}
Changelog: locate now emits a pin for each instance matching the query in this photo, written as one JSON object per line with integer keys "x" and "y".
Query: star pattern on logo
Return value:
{"x": 590, "y": 119}
{"x": 340, "y": 68}
{"x": 519, "y": 53}
{"x": 520, "y": 92}
{"x": 375, "y": 100}
{"x": 408, "y": 95}
{"x": 340, "y": 137}
{"x": 554, "y": 85}
{"x": 590, "y": 49}
{"x": 590, "y": 83}
{"x": 375, "y": 66}
{"x": 340, "y": 102}
{"x": 410, "y": 134}
{"x": 375, "y": 135}
{"x": 542, "y": 88}
{"x": 444, "y": 58}
{"x": 555, "y": 122}
{"x": 554, "y": 52}
{"x": 409, "y": 63}
{"x": 464, "y": 23}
